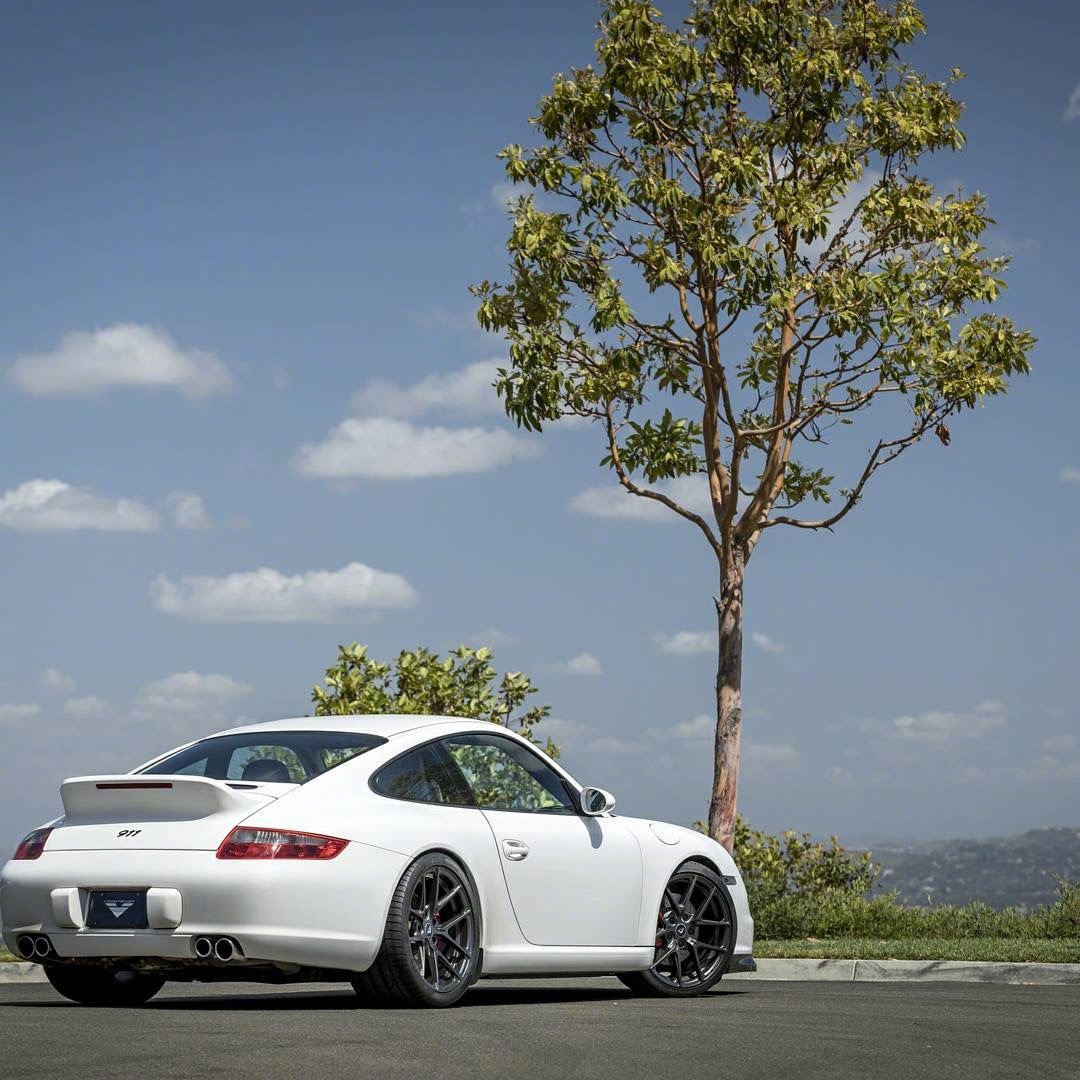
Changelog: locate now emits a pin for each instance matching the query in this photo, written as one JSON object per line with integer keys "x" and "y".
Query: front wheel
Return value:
{"x": 695, "y": 933}
{"x": 102, "y": 986}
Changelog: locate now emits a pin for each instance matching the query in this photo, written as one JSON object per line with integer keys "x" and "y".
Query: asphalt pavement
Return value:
{"x": 578, "y": 1029}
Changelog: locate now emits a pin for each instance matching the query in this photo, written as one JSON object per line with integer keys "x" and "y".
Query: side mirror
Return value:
{"x": 596, "y": 801}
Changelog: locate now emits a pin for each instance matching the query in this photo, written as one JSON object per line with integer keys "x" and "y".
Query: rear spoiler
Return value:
{"x": 157, "y": 796}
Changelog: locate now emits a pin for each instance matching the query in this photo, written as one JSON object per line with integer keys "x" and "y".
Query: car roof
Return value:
{"x": 384, "y": 724}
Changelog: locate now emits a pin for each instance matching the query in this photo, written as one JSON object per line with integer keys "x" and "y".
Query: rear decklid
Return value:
{"x": 129, "y": 811}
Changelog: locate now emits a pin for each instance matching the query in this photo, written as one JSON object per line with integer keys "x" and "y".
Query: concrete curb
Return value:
{"x": 820, "y": 971}
{"x": 915, "y": 971}
{"x": 21, "y": 973}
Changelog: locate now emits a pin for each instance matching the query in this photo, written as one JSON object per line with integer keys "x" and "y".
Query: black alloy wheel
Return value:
{"x": 431, "y": 944}
{"x": 102, "y": 986}
{"x": 695, "y": 933}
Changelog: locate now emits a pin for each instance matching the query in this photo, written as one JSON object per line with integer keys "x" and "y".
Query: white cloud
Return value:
{"x": 53, "y": 506}
{"x": 186, "y": 691}
{"x": 186, "y": 699}
{"x": 55, "y": 679}
{"x": 85, "y": 708}
{"x": 701, "y": 727}
{"x": 267, "y": 595}
{"x": 766, "y": 643}
{"x": 612, "y": 744}
{"x": 582, "y": 664}
{"x": 844, "y": 208}
{"x": 188, "y": 511}
{"x": 14, "y": 713}
{"x": 1070, "y": 475}
{"x": 563, "y": 730}
{"x": 460, "y": 321}
{"x": 755, "y": 753}
{"x": 943, "y": 727}
{"x": 388, "y": 449}
{"x": 1059, "y": 744}
{"x": 468, "y": 391}
{"x": 687, "y": 642}
{"x": 493, "y": 637}
{"x": 1072, "y": 110}
{"x": 124, "y": 355}
{"x": 1051, "y": 767}
{"x": 614, "y": 501}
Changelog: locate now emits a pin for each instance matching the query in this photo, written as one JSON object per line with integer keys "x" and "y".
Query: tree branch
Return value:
{"x": 882, "y": 454}
{"x": 648, "y": 493}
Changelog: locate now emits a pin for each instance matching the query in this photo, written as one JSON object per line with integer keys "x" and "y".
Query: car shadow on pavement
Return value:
{"x": 325, "y": 1000}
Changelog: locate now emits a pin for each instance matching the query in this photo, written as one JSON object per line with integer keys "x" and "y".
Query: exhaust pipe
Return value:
{"x": 204, "y": 948}
{"x": 42, "y": 947}
{"x": 224, "y": 950}
{"x": 25, "y": 945}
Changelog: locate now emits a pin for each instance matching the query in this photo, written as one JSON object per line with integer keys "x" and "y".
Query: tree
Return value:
{"x": 464, "y": 684}
{"x": 733, "y": 252}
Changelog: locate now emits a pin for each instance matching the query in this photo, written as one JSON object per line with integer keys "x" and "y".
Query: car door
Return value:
{"x": 572, "y": 879}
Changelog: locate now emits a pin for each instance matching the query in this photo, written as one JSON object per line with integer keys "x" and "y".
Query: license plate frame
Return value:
{"x": 116, "y": 909}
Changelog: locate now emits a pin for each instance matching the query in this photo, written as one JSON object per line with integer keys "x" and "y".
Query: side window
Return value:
{"x": 504, "y": 775}
{"x": 423, "y": 775}
{"x": 268, "y": 763}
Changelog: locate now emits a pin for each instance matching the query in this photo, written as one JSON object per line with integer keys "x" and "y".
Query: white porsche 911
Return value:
{"x": 408, "y": 855}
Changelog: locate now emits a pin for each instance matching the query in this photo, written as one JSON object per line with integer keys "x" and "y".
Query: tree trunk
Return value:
{"x": 729, "y": 613}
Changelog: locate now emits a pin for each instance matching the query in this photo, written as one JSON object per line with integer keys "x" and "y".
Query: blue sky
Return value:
{"x": 237, "y": 240}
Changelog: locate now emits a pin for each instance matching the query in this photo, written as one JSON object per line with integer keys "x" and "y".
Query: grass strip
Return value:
{"x": 1001, "y": 950}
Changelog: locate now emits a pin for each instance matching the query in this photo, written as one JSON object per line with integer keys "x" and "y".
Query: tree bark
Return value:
{"x": 727, "y": 749}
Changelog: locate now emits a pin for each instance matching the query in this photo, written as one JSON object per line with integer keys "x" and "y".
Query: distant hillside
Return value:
{"x": 1020, "y": 870}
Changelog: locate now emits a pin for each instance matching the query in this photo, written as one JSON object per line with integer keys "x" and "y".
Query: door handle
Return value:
{"x": 515, "y": 850}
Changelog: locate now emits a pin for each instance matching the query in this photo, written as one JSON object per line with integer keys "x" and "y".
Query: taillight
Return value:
{"x": 244, "y": 843}
{"x": 33, "y": 845}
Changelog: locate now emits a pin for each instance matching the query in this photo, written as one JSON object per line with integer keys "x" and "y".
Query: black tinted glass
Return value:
{"x": 276, "y": 757}
{"x": 423, "y": 775}
{"x": 504, "y": 775}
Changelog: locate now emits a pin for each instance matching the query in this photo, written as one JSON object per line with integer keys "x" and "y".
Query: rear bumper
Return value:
{"x": 316, "y": 914}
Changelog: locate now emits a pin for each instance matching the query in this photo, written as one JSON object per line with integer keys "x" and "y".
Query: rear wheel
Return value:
{"x": 102, "y": 986}
{"x": 431, "y": 942}
{"x": 695, "y": 933}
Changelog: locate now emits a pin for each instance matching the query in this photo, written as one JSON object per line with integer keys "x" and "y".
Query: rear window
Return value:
{"x": 267, "y": 757}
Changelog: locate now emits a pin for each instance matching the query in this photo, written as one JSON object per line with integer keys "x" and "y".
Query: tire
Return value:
{"x": 695, "y": 934}
{"x": 431, "y": 945}
{"x": 102, "y": 986}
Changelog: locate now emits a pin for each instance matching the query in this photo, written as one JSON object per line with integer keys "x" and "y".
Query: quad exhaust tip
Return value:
{"x": 222, "y": 949}
{"x": 34, "y": 947}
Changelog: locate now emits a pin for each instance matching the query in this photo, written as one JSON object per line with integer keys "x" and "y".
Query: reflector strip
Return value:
{"x": 114, "y": 787}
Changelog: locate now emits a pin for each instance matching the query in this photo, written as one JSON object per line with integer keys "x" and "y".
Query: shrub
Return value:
{"x": 793, "y": 864}
{"x": 801, "y": 888}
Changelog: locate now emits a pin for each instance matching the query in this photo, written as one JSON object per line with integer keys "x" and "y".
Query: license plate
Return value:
{"x": 117, "y": 910}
